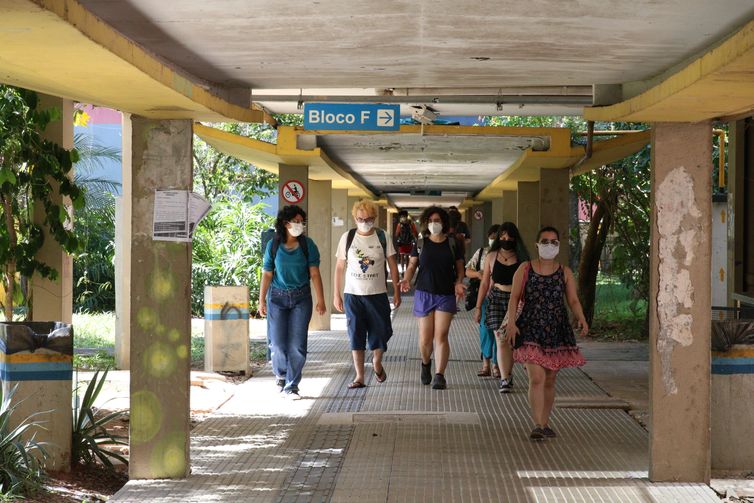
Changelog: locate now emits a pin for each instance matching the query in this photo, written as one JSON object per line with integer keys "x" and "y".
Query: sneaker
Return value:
{"x": 439, "y": 382}
{"x": 505, "y": 385}
{"x": 537, "y": 434}
{"x": 292, "y": 395}
{"x": 280, "y": 383}
{"x": 548, "y": 432}
{"x": 427, "y": 373}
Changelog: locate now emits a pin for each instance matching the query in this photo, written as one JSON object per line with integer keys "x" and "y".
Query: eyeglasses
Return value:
{"x": 365, "y": 220}
{"x": 549, "y": 242}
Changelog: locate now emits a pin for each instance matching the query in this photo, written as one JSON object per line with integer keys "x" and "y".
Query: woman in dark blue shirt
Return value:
{"x": 438, "y": 287}
{"x": 286, "y": 298}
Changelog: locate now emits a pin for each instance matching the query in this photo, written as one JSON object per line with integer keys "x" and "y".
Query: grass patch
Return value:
{"x": 618, "y": 314}
{"x": 100, "y": 360}
{"x": 94, "y": 330}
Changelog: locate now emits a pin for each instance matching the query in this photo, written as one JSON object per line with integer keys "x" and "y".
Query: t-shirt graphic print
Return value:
{"x": 365, "y": 266}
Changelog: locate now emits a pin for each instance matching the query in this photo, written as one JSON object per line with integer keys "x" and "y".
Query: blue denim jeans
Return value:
{"x": 288, "y": 314}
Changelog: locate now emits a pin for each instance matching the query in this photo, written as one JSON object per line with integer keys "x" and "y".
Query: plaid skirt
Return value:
{"x": 498, "y": 306}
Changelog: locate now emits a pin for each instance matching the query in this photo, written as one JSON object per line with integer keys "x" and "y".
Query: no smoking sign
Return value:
{"x": 292, "y": 192}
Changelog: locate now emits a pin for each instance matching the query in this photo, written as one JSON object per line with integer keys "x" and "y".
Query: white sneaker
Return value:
{"x": 292, "y": 395}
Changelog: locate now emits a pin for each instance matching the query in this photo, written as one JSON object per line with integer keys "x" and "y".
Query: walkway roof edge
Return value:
{"x": 526, "y": 168}
{"x": 60, "y": 48}
{"x": 269, "y": 156}
{"x": 718, "y": 84}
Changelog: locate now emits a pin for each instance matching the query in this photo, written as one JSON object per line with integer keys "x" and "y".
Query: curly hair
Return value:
{"x": 428, "y": 212}
{"x": 285, "y": 215}
{"x": 522, "y": 254}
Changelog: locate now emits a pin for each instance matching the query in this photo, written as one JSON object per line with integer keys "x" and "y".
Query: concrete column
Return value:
{"x": 161, "y": 157}
{"x": 341, "y": 216}
{"x": 288, "y": 173}
{"x": 53, "y": 300}
{"x": 123, "y": 254}
{"x": 553, "y": 206}
{"x": 320, "y": 230}
{"x": 510, "y": 207}
{"x": 496, "y": 211}
{"x": 679, "y": 305}
{"x": 737, "y": 136}
{"x": 527, "y": 211}
{"x": 478, "y": 230}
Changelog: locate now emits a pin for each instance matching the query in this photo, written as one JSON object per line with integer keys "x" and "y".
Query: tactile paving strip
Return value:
{"x": 259, "y": 447}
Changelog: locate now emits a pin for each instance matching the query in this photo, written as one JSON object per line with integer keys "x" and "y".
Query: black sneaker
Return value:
{"x": 505, "y": 385}
{"x": 439, "y": 382}
{"x": 537, "y": 434}
{"x": 549, "y": 432}
{"x": 427, "y": 373}
{"x": 280, "y": 383}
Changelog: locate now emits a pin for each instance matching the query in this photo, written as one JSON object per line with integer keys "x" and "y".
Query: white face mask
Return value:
{"x": 295, "y": 229}
{"x": 435, "y": 228}
{"x": 491, "y": 241}
{"x": 364, "y": 226}
{"x": 548, "y": 251}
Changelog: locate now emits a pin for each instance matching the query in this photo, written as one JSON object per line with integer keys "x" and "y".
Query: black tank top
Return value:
{"x": 503, "y": 274}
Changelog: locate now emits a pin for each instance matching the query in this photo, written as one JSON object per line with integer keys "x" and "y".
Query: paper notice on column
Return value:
{"x": 176, "y": 214}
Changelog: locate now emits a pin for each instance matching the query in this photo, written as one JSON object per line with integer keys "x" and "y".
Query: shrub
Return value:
{"x": 21, "y": 456}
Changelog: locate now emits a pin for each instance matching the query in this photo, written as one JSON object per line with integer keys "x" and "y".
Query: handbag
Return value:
{"x": 500, "y": 332}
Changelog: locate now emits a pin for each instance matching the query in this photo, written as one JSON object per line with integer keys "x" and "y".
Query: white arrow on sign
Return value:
{"x": 385, "y": 117}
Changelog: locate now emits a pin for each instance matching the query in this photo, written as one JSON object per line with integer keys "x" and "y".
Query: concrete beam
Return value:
{"x": 679, "y": 303}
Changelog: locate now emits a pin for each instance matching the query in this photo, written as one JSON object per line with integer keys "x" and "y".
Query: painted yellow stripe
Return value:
{"x": 34, "y": 358}
{"x": 735, "y": 353}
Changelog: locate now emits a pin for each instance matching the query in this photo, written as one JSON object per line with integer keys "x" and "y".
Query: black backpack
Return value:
{"x": 405, "y": 236}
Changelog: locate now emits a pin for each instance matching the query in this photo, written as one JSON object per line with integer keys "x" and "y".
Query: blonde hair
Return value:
{"x": 366, "y": 206}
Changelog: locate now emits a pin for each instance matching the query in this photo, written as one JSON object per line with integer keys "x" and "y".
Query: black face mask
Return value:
{"x": 507, "y": 244}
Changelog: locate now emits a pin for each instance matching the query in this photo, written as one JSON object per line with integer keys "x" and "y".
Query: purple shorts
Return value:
{"x": 425, "y": 303}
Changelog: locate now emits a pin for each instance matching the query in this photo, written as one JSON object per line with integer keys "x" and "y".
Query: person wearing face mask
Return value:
{"x": 291, "y": 261}
{"x": 362, "y": 255}
{"x": 505, "y": 256}
{"x": 547, "y": 343}
{"x": 405, "y": 237}
{"x": 474, "y": 271}
{"x": 439, "y": 286}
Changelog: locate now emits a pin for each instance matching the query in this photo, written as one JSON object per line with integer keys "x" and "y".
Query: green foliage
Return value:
{"x": 99, "y": 360}
{"x": 226, "y": 248}
{"x": 94, "y": 330}
{"x": 94, "y": 268}
{"x": 90, "y": 433}
{"x": 21, "y": 456}
{"x": 217, "y": 175}
{"x": 33, "y": 171}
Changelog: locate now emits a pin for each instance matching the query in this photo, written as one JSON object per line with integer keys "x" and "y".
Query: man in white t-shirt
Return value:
{"x": 362, "y": 255}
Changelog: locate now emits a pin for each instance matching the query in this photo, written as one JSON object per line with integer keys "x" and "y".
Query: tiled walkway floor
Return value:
{"x": 400, "y": 441}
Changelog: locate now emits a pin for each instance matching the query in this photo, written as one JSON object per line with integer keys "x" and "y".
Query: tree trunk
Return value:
{"x": 599, "y": 227}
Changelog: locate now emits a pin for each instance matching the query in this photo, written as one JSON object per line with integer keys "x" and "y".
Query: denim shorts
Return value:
{"x": 425, "y": 303}
{"x": 368, "y": 318}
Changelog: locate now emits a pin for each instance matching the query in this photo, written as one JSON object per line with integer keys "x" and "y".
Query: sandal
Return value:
{"x": 483, "y": 373}
{"x": 496, "y": 372}
{"x": 357, "y": 385}
{"x": 381, "y": 376}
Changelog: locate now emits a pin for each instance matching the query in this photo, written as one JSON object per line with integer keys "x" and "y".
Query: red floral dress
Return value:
{"x": 548, "y": 339}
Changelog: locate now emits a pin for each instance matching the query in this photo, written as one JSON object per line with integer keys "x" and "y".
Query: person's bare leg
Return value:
{"x": 549, "y": 395}
{"x": 505, "y": 358}
{"x": 536, "y": 392}
{"x": 377, "y": 360}
{"x": 358, "y": 365}
{"x": 442, "y": 346}
{"x": 426, "y": 336}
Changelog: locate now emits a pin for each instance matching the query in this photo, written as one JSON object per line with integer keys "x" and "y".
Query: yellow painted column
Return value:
{"x": 161, "y": 158}
{"x": 320, "y": 230}
{"x": 679, "y": 303}
{"x": 528, "y": 213}
{"x": 53, "y": 300}
{"x": 510, "y": 206}
{"x": 553, "y": 206}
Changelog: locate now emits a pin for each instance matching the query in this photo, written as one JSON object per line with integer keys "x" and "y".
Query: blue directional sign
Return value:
{"x": 351, "y": 117}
